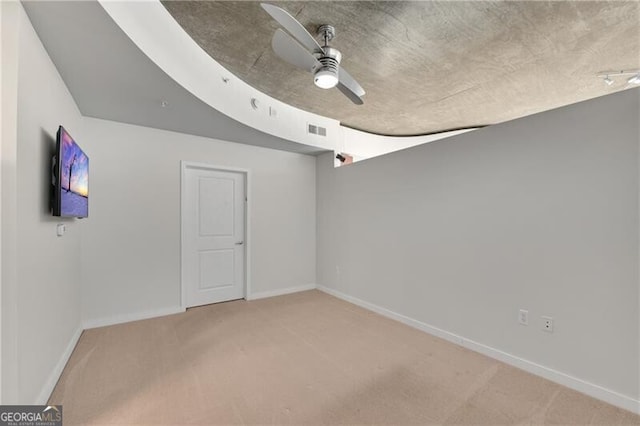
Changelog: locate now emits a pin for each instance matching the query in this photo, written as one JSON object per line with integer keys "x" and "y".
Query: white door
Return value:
{"x": 213, "y": 220}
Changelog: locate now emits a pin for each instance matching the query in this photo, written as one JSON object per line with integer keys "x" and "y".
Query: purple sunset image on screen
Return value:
{"x": 74, "y": 178}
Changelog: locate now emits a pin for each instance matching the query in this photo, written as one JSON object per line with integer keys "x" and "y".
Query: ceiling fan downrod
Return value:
{"x": 327, "y": 75}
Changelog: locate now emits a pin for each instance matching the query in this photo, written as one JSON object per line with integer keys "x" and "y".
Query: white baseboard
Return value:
{"x": 119, "y": 319}
{"x": 50, "y": 384}
{"x": 45, "y": 393}
{"x": 280, "y": 291}
{"x": 593, "y": 390}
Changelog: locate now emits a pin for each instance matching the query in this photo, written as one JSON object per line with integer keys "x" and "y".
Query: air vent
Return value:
{"x": 317, "y": 130}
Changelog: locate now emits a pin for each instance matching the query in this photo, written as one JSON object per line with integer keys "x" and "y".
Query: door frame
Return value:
{"x": 184, "y": 166}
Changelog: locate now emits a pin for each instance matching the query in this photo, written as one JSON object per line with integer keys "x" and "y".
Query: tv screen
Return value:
{"x": 71, "y": 178}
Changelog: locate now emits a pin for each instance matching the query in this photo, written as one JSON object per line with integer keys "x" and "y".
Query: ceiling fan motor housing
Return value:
{"x": 326, "y": 76}
{"x": 304, "y": 51}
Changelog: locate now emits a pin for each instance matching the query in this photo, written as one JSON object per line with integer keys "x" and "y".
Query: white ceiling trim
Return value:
{"x": 362, "y": 145}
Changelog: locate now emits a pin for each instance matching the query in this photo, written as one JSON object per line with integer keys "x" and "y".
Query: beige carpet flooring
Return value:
{"x": 302, "y": 359}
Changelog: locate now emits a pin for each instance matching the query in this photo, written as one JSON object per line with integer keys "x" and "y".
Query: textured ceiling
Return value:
{"x": 430, "y": 66}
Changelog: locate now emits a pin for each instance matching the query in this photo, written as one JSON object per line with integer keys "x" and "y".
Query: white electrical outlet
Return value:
{"x": 523, "y": 317}
{"x": 547, "y": 324}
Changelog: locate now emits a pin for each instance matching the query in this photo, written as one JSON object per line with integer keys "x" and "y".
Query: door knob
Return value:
{"x": 240, "y": 243}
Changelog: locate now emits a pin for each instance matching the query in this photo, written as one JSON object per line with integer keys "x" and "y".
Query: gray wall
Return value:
{"x": 540, "y": 213}
{"x": 131, "y": 242}
{"x": 41, "y": 299}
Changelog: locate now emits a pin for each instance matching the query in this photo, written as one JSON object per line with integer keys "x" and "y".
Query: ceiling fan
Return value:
{"x": 303, "y": 51}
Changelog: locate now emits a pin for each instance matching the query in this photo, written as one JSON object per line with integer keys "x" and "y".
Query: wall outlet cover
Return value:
{"x": 523, "y": 317}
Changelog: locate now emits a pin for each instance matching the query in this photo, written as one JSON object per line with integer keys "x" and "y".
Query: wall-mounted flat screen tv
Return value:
{"x": 70, "y": 178}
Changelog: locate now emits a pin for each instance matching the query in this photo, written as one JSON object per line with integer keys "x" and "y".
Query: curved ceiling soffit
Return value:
{"x": 159, "y": 36}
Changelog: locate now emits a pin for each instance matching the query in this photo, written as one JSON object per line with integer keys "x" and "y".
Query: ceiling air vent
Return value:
{"x": 317, "y": 130}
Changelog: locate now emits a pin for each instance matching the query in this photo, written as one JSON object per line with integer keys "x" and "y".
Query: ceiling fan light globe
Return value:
{"x": 325, "y": 79}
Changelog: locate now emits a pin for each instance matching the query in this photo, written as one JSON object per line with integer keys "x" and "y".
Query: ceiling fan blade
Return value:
{"x": 292, "y": 52}
{"x": 349, "y": 94}
{"x": 351, "y": 84}
{"x": 293, "y": 26}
